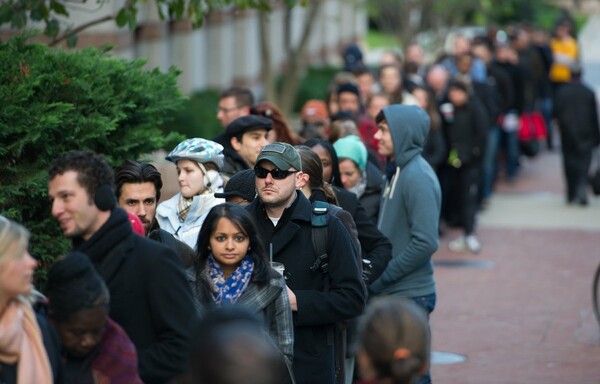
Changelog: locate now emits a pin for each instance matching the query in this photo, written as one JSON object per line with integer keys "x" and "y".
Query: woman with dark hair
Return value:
{"x": 394, "y": 343}
{"x": 280, "y": 130}
{"x": 95, "y": 348}
{"x": 434, "y": 151}
{"x": 329, "y": 161}
{"x": 375, "y": 246}
{"x": 315, "y": 188}
{"x": 228, "y": 348}
{"x": 232, "y": 268}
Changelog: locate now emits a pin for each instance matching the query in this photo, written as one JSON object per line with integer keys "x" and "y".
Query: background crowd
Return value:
{"x": 404, "y": 150}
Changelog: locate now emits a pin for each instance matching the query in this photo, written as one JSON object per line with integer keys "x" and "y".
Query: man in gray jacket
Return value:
{"x": 410, "y": 208}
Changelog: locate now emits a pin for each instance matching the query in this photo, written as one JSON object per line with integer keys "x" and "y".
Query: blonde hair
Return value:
{"x": 14, "y": 239}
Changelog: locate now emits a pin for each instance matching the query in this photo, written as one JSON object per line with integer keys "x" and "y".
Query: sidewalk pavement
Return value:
{"x": 520, "y": 312}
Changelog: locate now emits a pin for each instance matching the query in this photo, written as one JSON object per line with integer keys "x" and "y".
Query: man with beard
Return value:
{"x": 138, "y": 187}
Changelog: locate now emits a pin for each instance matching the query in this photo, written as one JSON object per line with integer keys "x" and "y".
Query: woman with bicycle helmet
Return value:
{"x": 198, "y": 162}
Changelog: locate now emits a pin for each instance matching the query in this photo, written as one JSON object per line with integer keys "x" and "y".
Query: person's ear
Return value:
{"x": 301, "y": 179}
{"x": 235, "y": 143}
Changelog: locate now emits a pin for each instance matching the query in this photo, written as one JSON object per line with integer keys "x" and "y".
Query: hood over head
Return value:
{"x": 409, "y": 127}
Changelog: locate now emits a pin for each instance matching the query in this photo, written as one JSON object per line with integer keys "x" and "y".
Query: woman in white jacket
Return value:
{"x": 198, "y": 162}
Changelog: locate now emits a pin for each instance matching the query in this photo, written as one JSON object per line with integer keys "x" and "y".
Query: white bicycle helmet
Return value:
{"x": 199, "y": 150}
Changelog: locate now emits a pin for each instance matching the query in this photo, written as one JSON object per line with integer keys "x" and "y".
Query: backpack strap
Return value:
{"x": 319, "y": 220}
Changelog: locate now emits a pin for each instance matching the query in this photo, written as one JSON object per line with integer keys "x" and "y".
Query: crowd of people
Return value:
{"x": 290, "y": 255}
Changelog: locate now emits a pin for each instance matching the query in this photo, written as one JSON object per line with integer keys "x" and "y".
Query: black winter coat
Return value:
{"x": 575, "y": 109}
{"x": 467, "y": 134}
{"x": 374, "y": 245}
{"x": 318, "y": 309}
{"x": 371, "y": 198}
{"x": 149, "y": 295}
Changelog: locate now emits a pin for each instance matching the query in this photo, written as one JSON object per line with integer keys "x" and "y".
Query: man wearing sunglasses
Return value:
{"x": 319, "y": 297}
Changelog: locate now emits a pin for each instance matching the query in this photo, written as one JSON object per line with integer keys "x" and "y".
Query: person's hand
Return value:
{"x": 292, "y": 298}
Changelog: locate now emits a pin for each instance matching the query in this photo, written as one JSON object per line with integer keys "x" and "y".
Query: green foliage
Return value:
{"x": 53, "y": 102}
{"x": 314, "y": 85}
{"x": 378, "y": 39}
{"x": 18, "y": 13}
{"x": 198, "y": 118}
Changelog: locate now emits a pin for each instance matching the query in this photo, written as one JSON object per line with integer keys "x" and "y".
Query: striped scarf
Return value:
{"x": 183, "y": 207}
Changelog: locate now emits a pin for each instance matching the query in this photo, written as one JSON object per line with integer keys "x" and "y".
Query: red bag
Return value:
{"x": 533, "y": 127}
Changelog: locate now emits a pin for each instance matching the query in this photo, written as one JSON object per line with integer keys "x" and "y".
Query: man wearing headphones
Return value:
{"x": 149, "y": 295}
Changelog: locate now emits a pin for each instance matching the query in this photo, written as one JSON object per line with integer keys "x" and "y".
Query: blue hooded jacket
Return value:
{"x": 410, "y": 208}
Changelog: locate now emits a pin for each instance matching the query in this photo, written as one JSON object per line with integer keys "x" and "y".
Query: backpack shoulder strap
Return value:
{"x": 319, "y": 220}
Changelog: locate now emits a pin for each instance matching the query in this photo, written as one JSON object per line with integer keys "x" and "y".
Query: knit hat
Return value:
{"x": 459, "y": 84}
{"x": 283, "y": 155}
{"x": 242, "y": 184}
{"x": 353, "y": 57}
{"x": 316, "y": 109}
{"x": 351, "y": 147}
{"x": 348, "y": 87}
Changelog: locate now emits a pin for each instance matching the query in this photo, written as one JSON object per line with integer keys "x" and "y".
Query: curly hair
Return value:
{"x": 92, "y": 170}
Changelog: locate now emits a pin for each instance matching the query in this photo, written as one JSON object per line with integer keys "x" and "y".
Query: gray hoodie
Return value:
{"x": 410, "y": 208}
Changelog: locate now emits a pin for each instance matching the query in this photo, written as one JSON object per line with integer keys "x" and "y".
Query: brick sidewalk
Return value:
{"x": 520, "y": 311}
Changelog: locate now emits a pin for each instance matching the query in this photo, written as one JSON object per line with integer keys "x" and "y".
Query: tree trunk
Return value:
{"x": 266, "y": 71}
{"x": 296, "y": 62}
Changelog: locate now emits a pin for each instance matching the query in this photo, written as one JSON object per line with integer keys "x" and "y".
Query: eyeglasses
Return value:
{"x": 277, "y": 174}
{"x": 226, "y": 110}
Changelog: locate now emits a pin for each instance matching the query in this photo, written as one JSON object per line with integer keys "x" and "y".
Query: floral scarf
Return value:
{"x": 229, "y": 291}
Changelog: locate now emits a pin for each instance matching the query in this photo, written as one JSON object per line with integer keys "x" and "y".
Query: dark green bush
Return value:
{"x": 198, "y": 118}
{"x": 55, "y": 101}
{"x": 314, "y": 85}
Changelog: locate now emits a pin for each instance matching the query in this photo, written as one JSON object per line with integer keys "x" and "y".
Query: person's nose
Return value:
{"x": 141, "y": 211}
{"x": 230, "y": 245}
{"x": 87, "y": 341}
{"x": 269, "y": 179}
{"x": 344, "y": 180}
{"x": 31, "y": 262}
{"x": 377, "y": 135}
{"x": 57, "y": 207}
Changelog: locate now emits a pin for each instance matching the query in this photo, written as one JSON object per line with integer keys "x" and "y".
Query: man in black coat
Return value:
{"x": 319, "y": 299}
{"x": 576, "y": 111}
{"x": 149, "y": 294}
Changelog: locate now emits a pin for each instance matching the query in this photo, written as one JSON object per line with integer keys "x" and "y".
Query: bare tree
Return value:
{"x": 295, "y": 65}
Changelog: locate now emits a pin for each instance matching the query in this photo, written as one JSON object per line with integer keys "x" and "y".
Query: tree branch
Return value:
{"x": 82, "y": 27}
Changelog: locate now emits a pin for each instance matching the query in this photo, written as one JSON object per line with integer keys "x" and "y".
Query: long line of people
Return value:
{"x": 401, "y": 150}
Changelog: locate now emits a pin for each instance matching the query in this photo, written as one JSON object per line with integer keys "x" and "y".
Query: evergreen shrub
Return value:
{"x": 54, "y": 101}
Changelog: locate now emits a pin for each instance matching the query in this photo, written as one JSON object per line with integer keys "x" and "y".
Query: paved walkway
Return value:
{"x": 520, "y": 312}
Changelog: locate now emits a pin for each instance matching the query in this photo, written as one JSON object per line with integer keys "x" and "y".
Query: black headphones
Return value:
{"x": 105, "y": 198}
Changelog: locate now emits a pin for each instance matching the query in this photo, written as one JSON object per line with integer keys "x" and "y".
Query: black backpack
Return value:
{"x": 321, "y": 213}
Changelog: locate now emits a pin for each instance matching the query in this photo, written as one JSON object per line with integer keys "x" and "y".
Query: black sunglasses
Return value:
{"x": 277, "y": 174}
